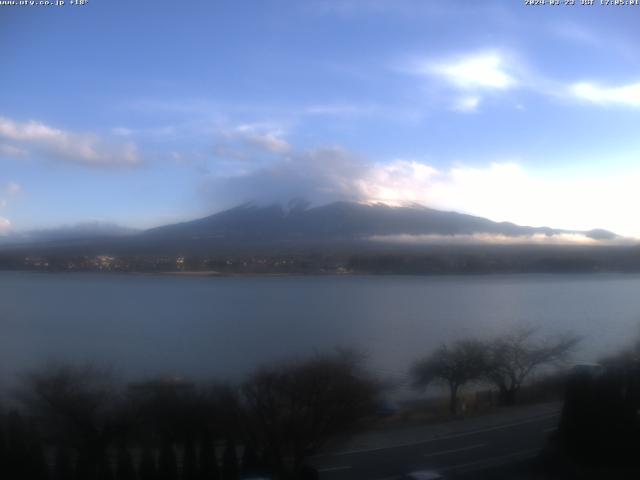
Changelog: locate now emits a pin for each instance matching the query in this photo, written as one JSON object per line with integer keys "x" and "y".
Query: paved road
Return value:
{"x": 454, "y": 453}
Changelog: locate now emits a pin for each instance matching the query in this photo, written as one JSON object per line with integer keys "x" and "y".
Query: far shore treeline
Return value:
{"x": 364, "y": 259}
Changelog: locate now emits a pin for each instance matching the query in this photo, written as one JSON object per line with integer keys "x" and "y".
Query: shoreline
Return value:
{"x": 217, "y": 274}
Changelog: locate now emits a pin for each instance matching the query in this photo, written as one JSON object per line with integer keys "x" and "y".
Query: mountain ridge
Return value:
{"x": 353, "y": 219}
{"x": 295, "y": 225}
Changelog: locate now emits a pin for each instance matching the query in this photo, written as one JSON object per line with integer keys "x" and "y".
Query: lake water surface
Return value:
{"x": 224, "y": 327}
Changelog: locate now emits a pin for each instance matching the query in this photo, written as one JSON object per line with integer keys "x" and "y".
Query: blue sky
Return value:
{"x": 148, "y": 112}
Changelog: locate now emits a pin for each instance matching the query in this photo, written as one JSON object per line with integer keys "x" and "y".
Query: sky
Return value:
{"x": 151, "y": 112}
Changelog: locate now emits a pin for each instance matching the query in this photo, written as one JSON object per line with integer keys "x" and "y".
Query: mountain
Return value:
{"x": 339, "y": 222}
{"x": 294, "y": 227}
{"x": 335, "y": 238}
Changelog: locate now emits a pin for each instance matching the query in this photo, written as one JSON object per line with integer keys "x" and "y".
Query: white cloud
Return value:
{"x": 245, "y": 142}
{"x": 397, "y": 183}
{"x": 12, "y": 151}
{"x": 162, "y": 132}
{"x": 122, "y": 131}
{"x": 473, "y": 76}
{"x": 466, "y": 104}
{"x": 267, "y": 141}
{"x": 54, "y": 143}
{"x": 477, "y": 71}
{"x": 5, "y": 226}
{"x": 12, "y": 188}
{"x": 339, "y": 109}
{"x": 470, "y": 77}
{"x": 624, "y": 95}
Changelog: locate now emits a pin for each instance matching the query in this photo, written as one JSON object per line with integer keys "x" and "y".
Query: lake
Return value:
{"x": 224, "y": 327}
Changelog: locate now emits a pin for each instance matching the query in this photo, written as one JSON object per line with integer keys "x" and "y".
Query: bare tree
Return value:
{"x": 178, "y": 410}
{"x": 294, "y": 409}
{"x": 77, "y": 405}
{"x": 453, "y": 366}
{"x": 73, "y": 402}
{"x": 513, "y": 357}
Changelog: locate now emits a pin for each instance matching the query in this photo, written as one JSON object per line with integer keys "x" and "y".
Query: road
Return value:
{"x": 454, "y": 453}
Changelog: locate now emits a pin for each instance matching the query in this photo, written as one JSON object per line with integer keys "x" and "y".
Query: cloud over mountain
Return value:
{"x": 502, "y": 191}
{"x": 319, "y": 175}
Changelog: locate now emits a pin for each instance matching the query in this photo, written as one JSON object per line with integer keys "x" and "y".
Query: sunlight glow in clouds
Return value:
{"x": 508, "y": 192}
{"x": 500, "y": 191}
{"x": 486, "y": 238}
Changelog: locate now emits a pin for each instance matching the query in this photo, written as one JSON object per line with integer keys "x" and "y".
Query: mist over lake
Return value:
{"x": 224, "y": 327}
